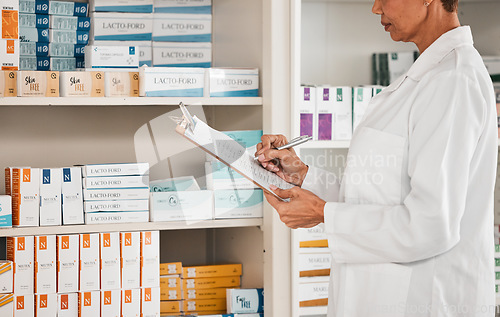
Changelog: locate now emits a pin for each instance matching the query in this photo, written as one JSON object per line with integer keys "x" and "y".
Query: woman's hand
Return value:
{"x": 290, "y": 167}
{"x": 304, "y": 210}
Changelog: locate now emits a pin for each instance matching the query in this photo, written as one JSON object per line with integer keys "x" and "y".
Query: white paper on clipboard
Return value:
{"x": 233, "y": 154}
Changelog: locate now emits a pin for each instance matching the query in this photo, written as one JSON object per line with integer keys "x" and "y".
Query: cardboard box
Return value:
{"x": 234, "y": 82}
{"x": 24, "y": 305}
{"x": 150, "y": 259}
{"x": 72, "y": 196}
{"x": 37, "y": 84}
{"x": 307, "y": 112}
{"x": 173, "y": 268}
{"x": 131, "y": 302}
{"x": 343, "y": 113}
{"x": 25, "y": 197}
{"x": 212, "y": 271}
{"x": 209, "y": 293}
{"x": 21, "y": 251}
{"x": 31, "y": 20}
{"x": 9, "y": 54}
{"x": 204, "y": 305}
{"x": 136, "y": 6}
{"x": 116, "y": 193}
{"x": 68, "y": 8}
{"x": 5, "y": 211}
{"x": 238, "y": 203}
{"x": 50, "y": 196}
{"x": 82, "y": 84}
{"x": 313, "y": 291}
{"x": 45, "y": 264}
{"x": 89, "y": 304}
{"x": 120, "y": 169}
{"x": 34, "y": 35}
{"x": 69, "y": 23}
{"x": 6, "y": 277}
{"x": 314, "y": 237}
{"x": 181, "y": 206}
{"x": 171, "y": 82}
{"x": 67, "y": 305}
{"x": 8, "y": 83}
{"x": 116, "y": 217}
{"x": 34, "y": 6}
{"x": 183, "y": 6}
{"x": 68, "y": 264}
{"x": 182, "y": 27}
{"x": 210, "y": 282}
{"x": 116, "y": 182}
{"x": 110, "y": 260}
{"x": 145, "y": 49}
{"x": 184, "y": 183}
{"x": 171, "y": 288}
{"x": 172, "y": 54}
{"x": 130, "y": 244}
{"x": 150, "y": 302}
{"x": 89, "y": 262}
{"x": 220, "y": 177}
{"x": 245, "y": 301}
{"x": 116, "y": 205}
{"x": 111, "y": 303}
{"x": 121, "y": 84}
{"x": 46, "y": 305}
{"x": 171, "y": 294}
{"x": 167, "y": 307}
{"x": 121, "y": 26}
{"x": 111, "y": 56}
{"x": 7, "y": 305}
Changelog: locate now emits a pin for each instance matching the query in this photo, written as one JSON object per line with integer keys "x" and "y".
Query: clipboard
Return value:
{"x": 227, "y": 151}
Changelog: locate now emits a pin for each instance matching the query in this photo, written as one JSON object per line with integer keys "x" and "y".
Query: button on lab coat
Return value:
{"x": 410, "y": 226}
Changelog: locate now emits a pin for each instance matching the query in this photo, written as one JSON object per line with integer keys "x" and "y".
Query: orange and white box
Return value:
{"x": 25, "y": 197}
{"x": 131, "y": 302}
{"x": 212, "y": 271}
{"x": 170, "y": 288}
{"x": 89, "y": 262}
{"x": 195, "y": 305}
{"x": 89, "y": 304}
{"x": 9, "y": 54}
{"x": 37, "y": 83}
{"x": 6, "y": 305}
{"x": 67, "y": 305}
{"x": 6, "y": 277}
{"x": 8, "y": 83}
{"x": 20, "y": 250}
{"x": 211, "y": 282}
{"x": 9, "y": 26}
{"x": 68, "y": 249}
{"x": 24, "y": 305}
{"x": 174, "y": 268}
{"x": 110, "y": 260}
{"x": 150, "y": 302}
{"x": 150, "y": 259}
{"x": 210, "y": 293}
{"x": 45, "y": 264}
{"x": 314, "y": 237}
{"x": 46, "y": 305}
{"x": 130, "y": 259}
{"x": 170, "y": 307}
{"x": 50, "y": 196}
{"x": 111, "y": 303}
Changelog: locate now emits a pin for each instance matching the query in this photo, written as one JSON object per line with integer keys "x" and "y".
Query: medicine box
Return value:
{"x": 116, "y": 182}
{"x": 37, "y": 84}
{"x": 307, "y": 111}
{"x": 314, "y": 237}
{"x": 181, "y": 206}
{"x": 314, "y": 262}
{"x": 67, "y": 305}
{"x": 25, "y": 196}
{"x": 238, "y": 203}
{"x": 24, "y": 305}
{"x": 40, "y": 63}
{"x": 145, "y": 49}
{"x": 150, "y": 301}
{"x": 111, "y": 303}
{"x": 204, "y": 293}
{"x": 68, "y": 8}
{"x": 174, "y": 268}
{"x": 360, "y": 101}
{"x": 183, "y": 6}
{"x": 46, "y": 305}
{"x": 130, "y": 245}
{"x": 116, "y": 205}
{"x": 150, "y": 258}
{"x": 116, "y": 217}
{"x": 131, "y": 302}
{"x": 172, "y": 54}
{"x": 343, "y": 113}
{"x": 34, "y": 35}
{"x": 89, "y": 304}
{"x": 69, "y": 23}
{"x": 81, "y": 84}
{"x": 65, "y": 50}
{"x": 245, "y": 301}
{"x": 234, "y": 82}
{"x": 110, "y": 260}
{"x": 63, "y": 64}
{"x": 45, "y": 264}
{"x": 116, "y": 193}
{"x": 20, "y": 250}
{"x": 184, "y": 183}
{"x": 121, "y": 26}
{"x": 68, "y": 264}
{"x": 121, "y": 84}
{"x": 211, "y": 282}
{"x": 30, "y": 20}
{"x": 34, "y": 6}
{"x": 34, "y": 49}
{"x": 7, "y": 305}
{"x": 5, "y": 211}
{"x": 50, "y": 196}
{"x": 172, "y": 290}
{"x": 8, "y": 83}
{"x": 313, "y": 291}
{"x": 72, "y": 196}
{"x": 89, "y": 262}
{"x": 193, "y": 305}
{"x": 69, "y": 36}
{"x": 10, "y": 22}
{"x": 182, "y": 27}
{"x": 171, "y": 82}
{"x": 120, "y": 169}
{"x": 6, "y": 276}
{"x": 170, "y": 307}
{"x": 325, "y": 112}
{"x": 9, "y": 54}
{"x": 219, "y": 176}
{"x": 212, "y": 271}
{"x": 135, "y": 6}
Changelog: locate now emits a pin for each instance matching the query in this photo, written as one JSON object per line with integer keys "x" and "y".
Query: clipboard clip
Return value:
{"x": 187, "y": 120}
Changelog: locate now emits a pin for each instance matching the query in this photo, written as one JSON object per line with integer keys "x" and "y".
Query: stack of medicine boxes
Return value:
{"x": 116, "y": 193}
{"x": 53, "y": 35}
{"x": 234, "y": 195}
{"x": 9, "y": 35}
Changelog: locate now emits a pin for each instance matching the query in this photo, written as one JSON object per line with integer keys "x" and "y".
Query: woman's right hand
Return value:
{"x": 290, "y": 167}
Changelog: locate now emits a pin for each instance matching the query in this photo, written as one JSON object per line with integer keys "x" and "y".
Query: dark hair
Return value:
{"x": 450, "y": 5}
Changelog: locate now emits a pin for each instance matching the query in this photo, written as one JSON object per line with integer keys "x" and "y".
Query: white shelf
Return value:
{"x": 146, "y": 226}
{"x": 325, "y": 145}
{"x": 312, "y": 311}
{"x": 129, "y": 101}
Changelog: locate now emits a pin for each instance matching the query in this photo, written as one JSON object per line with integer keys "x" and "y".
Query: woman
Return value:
{"x": 410, "y": 225}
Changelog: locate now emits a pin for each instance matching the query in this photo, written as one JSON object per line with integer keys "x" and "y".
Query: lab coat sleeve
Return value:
{"x": 445, "y": 124}
{"x": 323, "y": 184}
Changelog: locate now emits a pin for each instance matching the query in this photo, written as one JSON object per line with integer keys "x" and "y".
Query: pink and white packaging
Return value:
{"x": 67, "y": 305}
{"x": 89, "y": 262}
{"x": 111, "y": 303}
{"x": 110, "y": 260}
{"x": 131, "y": 302}
{"x": 130, "y": 246}
{"x": 24, "y": 305}
{"x": 150, "y": 259}
{"x": 307, "y": 112}
{"x": 89, "y": 304}
{"x": 68, "y": 264}
{"x": 150, "y": 302}
{"x": 46, "y": 305}
{"x": 45, "y": 264}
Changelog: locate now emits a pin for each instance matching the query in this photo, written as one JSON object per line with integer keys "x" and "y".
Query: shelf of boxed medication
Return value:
{"x": 147, "y": 226}
{"x": 130, "y": 101}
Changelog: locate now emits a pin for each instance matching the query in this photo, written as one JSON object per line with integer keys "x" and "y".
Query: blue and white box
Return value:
{"x": 234, "y": 82}
{"x": 182, "y": 27}
{"x": 111, "y": 56}
{"x": 72, "y": 196}
{"x": 144, "y": 47}
{"x": 63, "y": 64}
{"x": 171, "y": 82}
{"x": 185, "y": 183}
{"x": 238, "y": 203}
{"x": 41, "y": 63}
{"x": 116, "y": 182}
{"x": 65, "y": 50}
{"x": 221, "y": 176}
{"x": 34, "y": 6}
{"x": 34, "y": 35}
{"x": 80, "y": 62}
{"x": 68, "y": 8}
{"x": 181, "y": 206}
{"x": 50, "y": 196}
{"x": 34, "y": 49}
{"x": 183, "y": 6}
{"x": 132, "y": 6}
{"x": 121, "y": 26}
{"x": 245, "y": 301}
{"x": 62, "y": 22}
{"x": 116, "y": 205}
{"x": 115, "y": 193}
{"x": 31, "y": 20}
{"x": 173, "y": 54}
{"x": 5, "y": 211}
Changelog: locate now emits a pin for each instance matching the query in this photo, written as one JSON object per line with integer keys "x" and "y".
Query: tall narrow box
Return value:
{"x": 72, "y": 196}
{"x": 45, "y": 264}
{"x": 150, "y": 302}
{"x": 20, "y": 250}
{"x": 130, "y": 246}
{"x": 46, "y": 305}
{"x": 9, "y": 26}
{"x": 25, "y": 197}
{"x": 111, "y": 303}
{"x": 67, "y": 305}
{"x": 24, "y": 305}
{"x": 150, "y": 259}
{"x": 68, "y": 249}
{"x": 89, "y": 262}
{"x": 343, "y": 113}
{"x": 325, "y": 112}
{"x": 6, "y": 276}
{"x": 8, "y": 84}
{"x": 110, "y": 260}
{"x": 131, "y": 302}
{"x": 50, "y": 196}
{"x": 307, "y": 112}
{"x": 89, "y": 304}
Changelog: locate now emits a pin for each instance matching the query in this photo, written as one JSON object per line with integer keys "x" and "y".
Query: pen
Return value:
{"x": 292, "y": 143}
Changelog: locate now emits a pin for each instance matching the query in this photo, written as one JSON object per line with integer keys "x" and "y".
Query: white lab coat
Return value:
{"x": 410, "y": 226}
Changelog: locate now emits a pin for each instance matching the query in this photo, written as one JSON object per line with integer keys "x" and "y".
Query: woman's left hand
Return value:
{"x": 304, "y": 210}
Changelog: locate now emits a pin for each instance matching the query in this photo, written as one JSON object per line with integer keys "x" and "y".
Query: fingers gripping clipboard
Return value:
{"x": 228, "y": 151}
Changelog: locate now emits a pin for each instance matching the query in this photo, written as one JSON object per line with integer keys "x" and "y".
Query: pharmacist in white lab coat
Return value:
{"x": 410, "y": 226}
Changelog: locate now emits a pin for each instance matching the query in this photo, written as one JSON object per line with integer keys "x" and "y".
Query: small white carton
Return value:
{"x": 111, "y": 56}
{"x": 89, "y": 262}
{"x": 110, "y": 260}
{"x": 116, "y": 193}
{"x": 343, "y": 113}
{"x": 21, "y": 251}
{"x": 181, "y": 206}
{"x": 89, "y": 304}
{"x": 67, "y": 305}
{"x": 234, "y": 82}
{"x": 72, "y": 196}
{"x": 116, "y": 217}
{"x": 116, "y": 205}
{"x": 131, "y": 302}
{"x": 171, "y": 82}
{"x": 46, "y": 305}
{"x": 111, "y": 303}
{"x": 150, "y": 259}
{"x": 45, "y": 264}
{"x": 6, "y": 276}
{"x": 130, "y": 246}
{"x": 172, "y": 54}
{"x": 183, "y": 6}
{"x": 120, "y": 169}
{"x": 50, "y": 196}
{"x": 107, "y": 26}
{"x": 24, "y": 305}
{"x": 150, "y": 302}
{"x": 238, "y": 203}
{"x": 116, "y": 182}
{"x": 145, "y": 49}
{"x": 182, "y": 27}
{"x": 68, "y": 264}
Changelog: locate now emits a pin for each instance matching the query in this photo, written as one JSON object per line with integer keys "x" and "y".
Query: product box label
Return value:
{"x": 182, "y": 27}
{"x": 171, "y": 54}
{"x": 227, "y": 82}
{"x": 37, "y": 84}
{"x": 171, "y": 82}
{"x": 121, "y": 26}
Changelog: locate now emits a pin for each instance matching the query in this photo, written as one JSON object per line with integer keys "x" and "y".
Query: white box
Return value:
{"x": 184, "y": 183}
{"x": 121, "y": 26}
{"x": 67, "y": 305}
{"x": 7, "y": 305}
{"x": 24, "y": 305}
{"x": 68, "y": 264}
{"x": 245, "y": 301}
{"x": 313, "y": 288}
{"x": 34, "y": 35}
{"x": 110, "y": 260}
{"x": 234, "y": 82}
{"x": 130, "y": 245}
{"x": 116, "y": 182}
{"x": 182, "y": 27}
{"x": 25, "y": 197}
{"x": 5, "y": 211}
{"x": 116, "y": 217}
{"x": 150, "y": 259}
{"x": 81, "y": 84}
{"x": 7, "y": 276}
{"x": 116, "y": 205}
{"x": 72, "y": 196}
{"x": 111, "y": 56}
{"x": 171, "y": 82}
{"x": 136, "y": 6}
{"x": 221, "y": 176}
{"x": 89, "y": 262}
{"x": 9, "y": 54}
{"x": 131, "y": 302}
{"x": 312, "y": 237}
{"x": 68, "y": 8}
{"x": 342, "y": 126}
{"x": 183, "y": 6}
{"x": 21, "y": 251}
{"x": 145, "y": 49}
{"x": 111, "y": 303}
{"x": 182, "y": 206}
{"x": 89, "y": 304}
{"x": 120, "y": 169}
{"x": 121, "y": 84}
{"x": 238, "y": 203}
{"x": 50, "y": 197}
{"x": 46, "y": 305}
{"x": 45, "y": 264}
{"x": 116, "y": 193}
{"x": 172, "y": 54}
{"x": 314, "y": 259}
{"x": 150, "y": 302}
{"x": 307, "y": 112}
{"x": 324, "y": 112}
{"x": 361, "y": 99}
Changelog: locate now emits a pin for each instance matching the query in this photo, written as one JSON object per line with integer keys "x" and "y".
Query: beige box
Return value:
{"x": 169, "y": 308}
{"x": 111, "y": 303}
{"x": 46, "y": 305}
{"x": 20, "y": 250}
{"x": 50, "y": 196}
{"x": 72, "y": 196}
{"x": 121, "y": 84}
{"x": 81, "y": 84}
{"x": 131, "y": 302}
{"x": 170, "y": 288}
{"x": 110, "y": 260}
{"x": 6, "y": 305}
{"x": 9, "y": 54}
{"x": 89, "y": 304}
{"x": 89, "y": 262}
{"x": 194, "y": 305}
{"x": 24, "y": 305}
{"x": 68, "y": 264}
{"x": 211, "y": 282}
{"x": 150, "y": 259}
{"x": 8, "y": 83}
{"x": 25, "y": 197}
{"x": 150, "y": 302}
{"x": 130, "y": 259}
{"x": 6, "y": 277}
{"x": 45, "y": 264}
{"x": 67, "y": 305}
{"x": 37, "y": 84}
